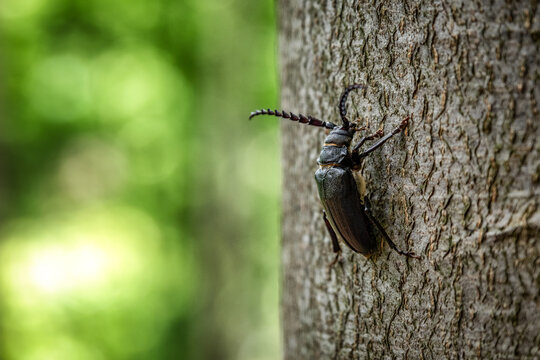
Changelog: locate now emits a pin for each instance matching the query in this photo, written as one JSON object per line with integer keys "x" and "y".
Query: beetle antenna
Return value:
{"x": 343, "y": 103}
{"x": 310, "y": 120}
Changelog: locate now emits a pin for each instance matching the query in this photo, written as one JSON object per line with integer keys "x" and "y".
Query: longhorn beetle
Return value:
{"x": 347, "y": 212}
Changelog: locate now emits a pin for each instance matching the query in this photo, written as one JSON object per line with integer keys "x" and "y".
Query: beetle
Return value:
{"x": 347, "y": 211}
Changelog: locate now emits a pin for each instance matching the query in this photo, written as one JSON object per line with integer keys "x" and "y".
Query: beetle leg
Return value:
{"x": 335, "y": 242}
{"x": 378, "y": 134}
{"x": 379, "y": 143}
{"x": 367, "y": 209}
{"x": 355, "y": 158}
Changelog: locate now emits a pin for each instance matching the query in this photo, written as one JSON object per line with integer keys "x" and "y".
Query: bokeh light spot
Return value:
{"x": 58, "y": 269}
{"x": 109, "y": 270}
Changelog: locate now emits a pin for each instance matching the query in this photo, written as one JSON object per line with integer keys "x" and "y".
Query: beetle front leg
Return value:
{"x": 367, "y": 209}
{"x": 335, "y": 241}
{"x": 378, "y": 134}
{"x": 379, "y": 143}
{"x": 354, "y": 152}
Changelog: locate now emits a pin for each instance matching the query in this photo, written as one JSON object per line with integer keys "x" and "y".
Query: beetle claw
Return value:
{"x": 404, "y": 123}
{"x": 410, "y": 254}
{"x": 337, "y": 259}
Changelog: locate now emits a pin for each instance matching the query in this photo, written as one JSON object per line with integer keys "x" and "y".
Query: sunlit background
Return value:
{"x": 138, "y": 206}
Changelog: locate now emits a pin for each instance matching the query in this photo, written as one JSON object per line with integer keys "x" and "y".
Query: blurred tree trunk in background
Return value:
{"x": 460, "y": 187}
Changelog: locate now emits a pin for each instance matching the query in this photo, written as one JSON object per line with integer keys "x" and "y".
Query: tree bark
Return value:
{"x": 460, "y": 186}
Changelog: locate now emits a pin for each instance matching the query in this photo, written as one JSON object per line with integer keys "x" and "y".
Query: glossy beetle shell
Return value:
{"x": 345, "y": 209}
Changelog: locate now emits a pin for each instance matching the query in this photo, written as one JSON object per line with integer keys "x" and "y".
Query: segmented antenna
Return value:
{"x": 343, "y": 103}
{"x": 310, "y": 120}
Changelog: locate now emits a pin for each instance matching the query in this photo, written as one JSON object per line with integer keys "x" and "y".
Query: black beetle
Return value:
{"x": 342, "y": 190}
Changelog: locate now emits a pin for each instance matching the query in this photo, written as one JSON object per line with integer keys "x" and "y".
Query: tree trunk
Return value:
{"x": 460, "y": 186}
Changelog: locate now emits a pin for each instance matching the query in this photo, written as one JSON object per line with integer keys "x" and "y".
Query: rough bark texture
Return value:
{"x": 460, "y": 187}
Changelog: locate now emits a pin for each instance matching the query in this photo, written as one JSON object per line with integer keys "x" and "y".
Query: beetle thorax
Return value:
{"x": 338, "y": 137}
{"x": 335, "y": 149}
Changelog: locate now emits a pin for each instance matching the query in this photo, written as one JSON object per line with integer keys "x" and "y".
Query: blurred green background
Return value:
{"x": 139, "y": 208}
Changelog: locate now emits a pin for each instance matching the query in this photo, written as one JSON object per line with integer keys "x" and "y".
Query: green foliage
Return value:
{"x": 138, "y": 206}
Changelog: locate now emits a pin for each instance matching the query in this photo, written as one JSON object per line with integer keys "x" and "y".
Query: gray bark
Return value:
{"x": 460, "y": 187}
